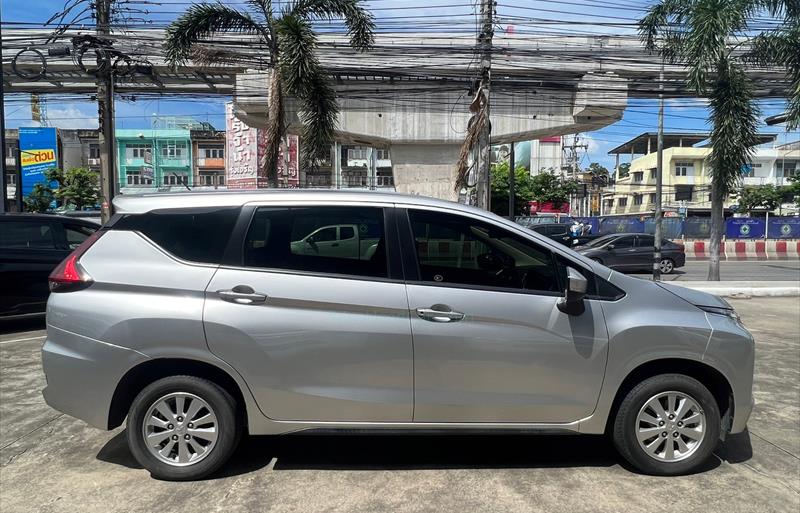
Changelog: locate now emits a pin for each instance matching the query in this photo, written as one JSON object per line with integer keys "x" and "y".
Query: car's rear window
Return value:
{"x": 196, "y": 234}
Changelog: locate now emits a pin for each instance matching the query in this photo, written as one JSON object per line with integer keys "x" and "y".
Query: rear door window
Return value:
{"x": 27, "y": 234}
{"x": 76, "y": 234}
{"x": 304, "y": 239}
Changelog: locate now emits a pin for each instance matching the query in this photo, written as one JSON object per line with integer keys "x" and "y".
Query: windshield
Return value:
{"x": 600, "y": 241}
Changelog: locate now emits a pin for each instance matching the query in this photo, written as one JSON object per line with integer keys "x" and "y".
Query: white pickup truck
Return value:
{"x": 340, "y": 241}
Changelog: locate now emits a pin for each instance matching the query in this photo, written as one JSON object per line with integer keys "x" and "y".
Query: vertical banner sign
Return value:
{"x": 289, "y": 177}
{"x": 38, "y": 152}
{"x": 244, "y": 149}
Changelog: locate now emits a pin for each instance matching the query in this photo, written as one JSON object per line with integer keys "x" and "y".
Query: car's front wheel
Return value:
{"x": 182, "y": 428}
{"x": 666, "y": 266}
{"x": 667, "y": 425}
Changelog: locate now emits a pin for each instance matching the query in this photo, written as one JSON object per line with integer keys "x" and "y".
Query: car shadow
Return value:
{"x": 393, "y": 451}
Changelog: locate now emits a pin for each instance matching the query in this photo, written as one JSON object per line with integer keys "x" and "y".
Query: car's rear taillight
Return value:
{"x": 69, "y": 275}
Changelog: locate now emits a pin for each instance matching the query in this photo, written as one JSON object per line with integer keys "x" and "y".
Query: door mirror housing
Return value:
{"x": 609, "y": 247}
{"x": 572, "y": 302}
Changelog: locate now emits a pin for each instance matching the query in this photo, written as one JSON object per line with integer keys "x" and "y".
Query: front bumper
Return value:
{"x": 82, "y": 374}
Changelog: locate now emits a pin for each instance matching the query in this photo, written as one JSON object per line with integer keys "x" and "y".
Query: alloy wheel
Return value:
{"x": 670, "y": 426}
{"x": 180, "y": 429}
{"x": 666, "y": 266}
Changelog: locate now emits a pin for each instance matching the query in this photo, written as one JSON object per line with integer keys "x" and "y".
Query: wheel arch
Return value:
{"x": 150, "y": 371}
{"x": 710, "y": 377}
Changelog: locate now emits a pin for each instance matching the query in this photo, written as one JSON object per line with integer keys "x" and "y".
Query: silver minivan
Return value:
{"x": 202, "y": 317}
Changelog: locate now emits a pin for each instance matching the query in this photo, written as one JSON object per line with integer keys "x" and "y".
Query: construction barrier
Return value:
{"x": 742, "y": 250}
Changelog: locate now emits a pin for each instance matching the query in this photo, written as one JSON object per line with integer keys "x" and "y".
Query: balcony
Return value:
{"x": 11, "y": 161}
{"x": 210, "y": 162}
{"x": 93, "y": 161}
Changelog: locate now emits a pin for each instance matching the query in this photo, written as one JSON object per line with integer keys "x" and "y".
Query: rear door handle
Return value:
{"x": 242, "y": 294}
{"x": 439, "y": 313}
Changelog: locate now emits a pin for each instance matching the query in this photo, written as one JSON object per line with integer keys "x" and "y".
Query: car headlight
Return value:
{"x": 719, "y": 310}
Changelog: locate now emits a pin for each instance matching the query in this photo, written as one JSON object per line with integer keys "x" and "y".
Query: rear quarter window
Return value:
{"x": 197, "y": 234}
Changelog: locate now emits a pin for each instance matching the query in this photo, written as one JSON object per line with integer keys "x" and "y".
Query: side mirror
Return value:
{"x": 609, "y": 247}
{"x": 572, "y": 302}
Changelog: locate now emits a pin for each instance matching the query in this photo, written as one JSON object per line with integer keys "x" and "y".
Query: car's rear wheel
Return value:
{"x": 667, "y": 425}
{"x": 667, "y": 265}
{"x": 182, "y": 428}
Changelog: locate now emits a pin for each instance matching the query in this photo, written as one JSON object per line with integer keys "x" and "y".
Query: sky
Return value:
{"x": 595, "y": 16}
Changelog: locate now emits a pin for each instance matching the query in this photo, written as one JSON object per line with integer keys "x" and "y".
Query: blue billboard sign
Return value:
{"x": 744, "y": 228}
{"x": 784, "y": 228}
{"x": 38, "y": 152}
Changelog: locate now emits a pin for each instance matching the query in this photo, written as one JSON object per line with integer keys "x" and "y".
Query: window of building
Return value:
{"x": 382, "y": 154}
{"x": 459, "y": 250}
{"x": 26, "y": 235}
{"x": 684, "y": 168}
{"x": 211, "y": 178}
{"x": 212, "y": 152}
{"x": 333, "y": 240}
{"x": 136, "y": 177}
{"x": 136, "y": 151}
{"x": 174, "y": 178}
{"x": 652, "y": 197}
{"x": 200, "y": 235}
{"x": 94, "y": 151}
{"x": 684, "y": 192}
{"x": 173, "y": 150}
{"x": 11, "y": 150}
{"x": 638, "y": 176}
{"x": 623, "y": 202}
{"x": 653, "y": 173}
{"x": 637, "y": 199}
{"x": 357, "y": 153}
{"x": 11, "y": 179}
{"x": 786, "y": 168}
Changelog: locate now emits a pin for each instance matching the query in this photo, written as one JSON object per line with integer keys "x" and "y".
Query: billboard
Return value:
{"x": 38, "y": 152}
{"x": 744, "y": 228}
{"x": 244, "y": 149}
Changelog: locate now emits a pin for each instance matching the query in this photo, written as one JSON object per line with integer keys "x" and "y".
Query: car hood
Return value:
{"x": 694, "y": 297}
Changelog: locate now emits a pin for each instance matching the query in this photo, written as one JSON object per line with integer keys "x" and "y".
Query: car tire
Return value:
{"x": 187, "y": 446}
{"x": 667, "y": 265}
{"x": 693, "y": 431}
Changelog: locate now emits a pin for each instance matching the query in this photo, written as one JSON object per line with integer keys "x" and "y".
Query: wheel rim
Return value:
{"x": 180, "y": 429}
{"x": 666, "y": 266}
{"x": 670, "y": 426}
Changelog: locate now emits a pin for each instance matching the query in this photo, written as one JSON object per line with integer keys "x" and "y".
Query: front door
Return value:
{"x": 317, "y": 337}
{"x": 490, "y": 345}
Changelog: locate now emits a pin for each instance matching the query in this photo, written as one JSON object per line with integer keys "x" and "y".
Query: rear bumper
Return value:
{"x": 82, "y": 374}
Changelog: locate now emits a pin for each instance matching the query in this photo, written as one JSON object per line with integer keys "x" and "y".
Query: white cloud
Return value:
{"x": 72, "y": 116}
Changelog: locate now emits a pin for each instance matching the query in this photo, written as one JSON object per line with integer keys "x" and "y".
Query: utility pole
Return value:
{"x": 483, "y": 190}
{"x": 573, "y": 162}
{"x": 512, "y": 182}
{"x": 105, "y": 108}
{"x": 3, "y": 184}
{"x": 659, "y": 178}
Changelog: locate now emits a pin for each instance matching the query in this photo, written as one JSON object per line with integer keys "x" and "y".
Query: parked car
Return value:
{"x": 31, "y": 246}
{"x": 193, "y": 317}
{"x": 633, "y": 252}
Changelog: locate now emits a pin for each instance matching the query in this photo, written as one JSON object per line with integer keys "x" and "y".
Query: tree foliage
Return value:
{"x": 40, "y": 199}
{"x": 597, "y": 169}
{"x": 550, "y": 188}
{"x": 623, "y": 170}
{"x": 77, "y": 187}
{"x": 288, "y": 38}
{"x": 760, "y": 197}
{"x": 523, "y": 192}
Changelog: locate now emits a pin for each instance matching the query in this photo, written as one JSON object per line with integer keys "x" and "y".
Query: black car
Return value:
{"x": 633, "y": 252}
{"x": 31, "y": 246}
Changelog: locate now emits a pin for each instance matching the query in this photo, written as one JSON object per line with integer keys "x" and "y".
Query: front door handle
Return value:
{"x": 242, "y": 294}
{"x": 439, "y": 313}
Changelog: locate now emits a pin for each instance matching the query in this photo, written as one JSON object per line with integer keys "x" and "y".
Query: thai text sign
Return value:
{"x": 38, "y": 152}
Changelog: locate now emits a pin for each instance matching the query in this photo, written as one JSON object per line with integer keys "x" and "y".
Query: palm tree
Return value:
{"x": 289, "y": 39}
{"x": 714, "y": 40}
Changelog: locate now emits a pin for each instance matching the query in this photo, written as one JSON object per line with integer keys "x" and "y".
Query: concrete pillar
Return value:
{"x": 372, "y": 178}
{"x": 425, "y": 169}
{"x": 337, "y": 166}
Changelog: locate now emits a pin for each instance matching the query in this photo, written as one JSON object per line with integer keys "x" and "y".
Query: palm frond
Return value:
{"x": 200, "y": 21}
{"x": 303, "y": 77}
{"x": 734, "y": 119}
{"x": 359, "y": 21}
{"x": 659, "y": 22}
{"x": 781, "y": 47}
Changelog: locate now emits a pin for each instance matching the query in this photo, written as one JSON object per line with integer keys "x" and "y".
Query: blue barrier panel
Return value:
{"x": 621, "y": 225}
{"x": 784, "y": 228}
{"x": 744, "y": 228}
{"x": 671, "y": 227}
{"x": 697, "y": 227}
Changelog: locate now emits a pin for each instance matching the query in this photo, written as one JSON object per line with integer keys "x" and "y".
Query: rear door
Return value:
{"x": 30, "y": 249}
{"x": 644, "y": 251}
{"x": 317, "y": 336}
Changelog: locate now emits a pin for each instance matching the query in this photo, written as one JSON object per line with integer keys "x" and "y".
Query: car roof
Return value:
{"x": 140, "y": 203}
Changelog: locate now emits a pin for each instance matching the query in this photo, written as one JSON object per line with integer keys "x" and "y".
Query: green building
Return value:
{"x": 154, "y": 159}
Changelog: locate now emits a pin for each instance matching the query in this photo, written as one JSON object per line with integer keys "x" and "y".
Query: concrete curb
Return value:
{"x": 743, "y": 250}
{"x": 743, "y": 289}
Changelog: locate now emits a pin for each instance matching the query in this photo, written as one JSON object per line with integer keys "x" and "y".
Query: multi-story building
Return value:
{"x": 158, "y": 159}
{"x": 79, "y": 148}
{"x": 208, "y": 164}
{"x": 686, "y": 179}
{"x": 356, "y": 163}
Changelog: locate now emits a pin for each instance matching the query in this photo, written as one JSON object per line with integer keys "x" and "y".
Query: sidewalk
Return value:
{"x": 744, "y": 288}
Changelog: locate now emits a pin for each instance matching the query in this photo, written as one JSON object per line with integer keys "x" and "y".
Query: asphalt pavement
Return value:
{"x": 772, "y": 270}
{"x": 50, "y": 462}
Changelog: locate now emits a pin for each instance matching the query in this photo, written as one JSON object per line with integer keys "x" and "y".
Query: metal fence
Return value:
{"x": 699, "y": 227}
